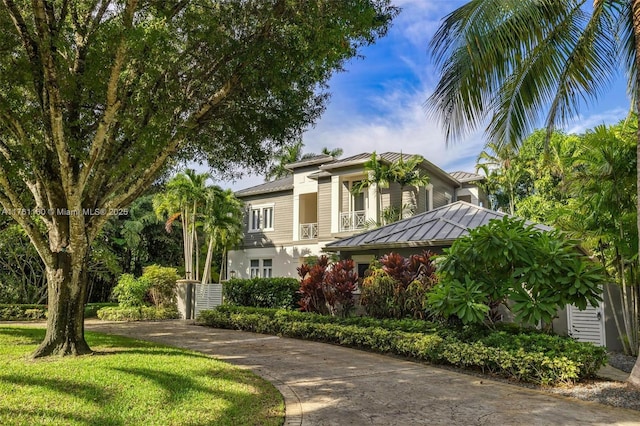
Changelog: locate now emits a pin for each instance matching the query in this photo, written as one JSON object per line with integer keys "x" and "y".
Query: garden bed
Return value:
{"x": 522, "y": 355}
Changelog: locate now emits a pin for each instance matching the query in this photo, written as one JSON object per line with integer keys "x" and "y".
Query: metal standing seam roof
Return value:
{"x": 464, "y": 177}
{"x": 433, "y": 228}
{"x": 326, "y": 163}
{"x": 283, "y": 184}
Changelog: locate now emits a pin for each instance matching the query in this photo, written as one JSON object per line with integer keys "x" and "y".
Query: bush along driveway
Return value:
{"x": 527, "y": 356}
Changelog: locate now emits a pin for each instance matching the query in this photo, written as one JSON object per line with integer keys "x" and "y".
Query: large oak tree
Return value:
{"x": 98, "y": 97}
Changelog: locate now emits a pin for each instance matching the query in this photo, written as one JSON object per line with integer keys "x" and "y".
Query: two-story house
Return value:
{"x": 293, "y": 218}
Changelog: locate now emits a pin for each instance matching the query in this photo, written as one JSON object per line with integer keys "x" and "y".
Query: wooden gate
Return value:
{"x": 587, "y": 325}
{"x": 207, "y": 296}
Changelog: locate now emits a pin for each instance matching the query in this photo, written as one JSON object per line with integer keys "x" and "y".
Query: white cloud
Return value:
{"x": 402, "y": 127}
{"x": 583, "y": 123}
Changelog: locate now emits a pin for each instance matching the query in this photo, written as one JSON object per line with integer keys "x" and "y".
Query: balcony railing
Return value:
{"x": 308, "y": 231}
{"x": 353, "y": 220}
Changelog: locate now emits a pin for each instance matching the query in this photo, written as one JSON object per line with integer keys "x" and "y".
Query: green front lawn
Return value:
{"x": 127, "y": 382}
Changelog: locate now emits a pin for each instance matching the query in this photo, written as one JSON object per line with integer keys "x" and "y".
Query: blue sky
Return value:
{"x": 378, "y": 103}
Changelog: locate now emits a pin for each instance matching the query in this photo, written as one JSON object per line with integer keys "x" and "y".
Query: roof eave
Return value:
{"x": 385, "y": 246}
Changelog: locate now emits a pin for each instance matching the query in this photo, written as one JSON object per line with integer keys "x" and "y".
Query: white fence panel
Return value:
{"x": 207, "y": 296}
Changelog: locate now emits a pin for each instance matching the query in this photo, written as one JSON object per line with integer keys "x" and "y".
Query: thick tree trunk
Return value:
{"x": 67, "y": 288}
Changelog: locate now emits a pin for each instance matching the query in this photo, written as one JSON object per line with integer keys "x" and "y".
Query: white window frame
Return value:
{"x": 254, "y": 268}
{"x": 258, "y": 268}
{"x": 267, "y": 271}
{"x": 263, "y": 213}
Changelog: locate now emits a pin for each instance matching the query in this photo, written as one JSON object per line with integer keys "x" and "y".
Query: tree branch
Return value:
{"x": 51, "y": 86}
{"x": 18, "y": 212}
{"x": 113, "y": 103}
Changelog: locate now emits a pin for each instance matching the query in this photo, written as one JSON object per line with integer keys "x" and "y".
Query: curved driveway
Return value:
{"x": 331, "y": 385}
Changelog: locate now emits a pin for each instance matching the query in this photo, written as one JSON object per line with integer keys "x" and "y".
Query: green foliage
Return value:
{"x": 262, "y": 292}
{"x": 137, "y": 313}
{"x": 18, "y": 312}
{"x": 541, "y": 271}
{"x": 406, "y": 324}
{"x": 466, "y": 300}
{"x": 327, "y": 288}
{"x": 22, "y": 273}
{"x": 397, "y": 286}
{"x": 131, "y": 291}
{"x": 91, "y": 309}
{"x": 162, "y": 284}
{"x": 516, "y": 354}
{"x": 90, "y": 124}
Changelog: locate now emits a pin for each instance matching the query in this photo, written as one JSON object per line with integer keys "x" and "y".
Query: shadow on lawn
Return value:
{"x": 31, "y": 336}
{"x": 37, "y": 414}
{"x": 90, "y": 393}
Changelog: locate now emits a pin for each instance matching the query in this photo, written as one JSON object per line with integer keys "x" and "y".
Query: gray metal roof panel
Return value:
{"x": 311, "y": 161}
{"x": 283, "y": 184}
{"x": 442, "y": 225}
{"x": 461, "y": 176}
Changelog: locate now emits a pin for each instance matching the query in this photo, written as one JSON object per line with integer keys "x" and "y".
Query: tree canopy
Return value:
{"x": 99, "y": 97}
{"x": 516, "y": 63}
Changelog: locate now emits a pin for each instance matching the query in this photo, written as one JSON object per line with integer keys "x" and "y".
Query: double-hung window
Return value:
{"x": 254, "y": 272}
{"x": 267, "y": 268}
{"x": 261, "y": 268}
{"x": 261, "y": 218}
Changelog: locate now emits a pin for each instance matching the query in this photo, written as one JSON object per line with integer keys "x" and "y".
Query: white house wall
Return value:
{"x": 286, "y": 259}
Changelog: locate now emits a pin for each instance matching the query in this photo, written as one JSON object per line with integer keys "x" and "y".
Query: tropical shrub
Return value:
{"x": 533, "y": 272}
{"x": 162, "y": 281}
{"x": 91, "y": 309}
{"x": 397, "y": 286}
{"x": 131, "y": 291}
{"x": 137, "y": 313}
{"x": 522, "y": 355}
{"x": 21, "y": 312}
{"x": 327, "y": 289}
{"x": 262, "y": 292}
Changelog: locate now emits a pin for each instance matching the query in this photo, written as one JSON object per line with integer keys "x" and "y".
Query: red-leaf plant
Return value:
{"x": 327, "y": 289}
{"x": 418, "y": 272}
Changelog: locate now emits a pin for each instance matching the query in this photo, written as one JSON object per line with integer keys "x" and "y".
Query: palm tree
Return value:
{"x": 222, "y": 224}
{"x": 378, "y": 174}
{"x": 335, "y": 153}
{"x": 503, "y": 174}
{"x": 289, "y": 154}
{"x": 513, "y": 62}
{"x": 406, "y": 173}
{"x": 183, "y": 198}
{"x": 602, "y": 186}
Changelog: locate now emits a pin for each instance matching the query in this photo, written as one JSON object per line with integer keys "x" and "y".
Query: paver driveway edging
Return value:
{"x": 325, "y": 384}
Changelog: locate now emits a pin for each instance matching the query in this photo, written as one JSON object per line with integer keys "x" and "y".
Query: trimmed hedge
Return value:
{"x": 91, "y": 309}
{"x": 18, "y": 312}
{"x": 409, "y": 325}
{"x": 141, "y": 313}
{"x": 523, "y": 356}
{"x": 262, "y": 292}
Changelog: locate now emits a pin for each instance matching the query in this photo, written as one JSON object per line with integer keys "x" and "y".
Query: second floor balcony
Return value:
{"x": 308, "y": 231}
{"x": 350, "y": 221}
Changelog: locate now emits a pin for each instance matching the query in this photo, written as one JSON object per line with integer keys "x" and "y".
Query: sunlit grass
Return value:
{"x": 127, "y": 382}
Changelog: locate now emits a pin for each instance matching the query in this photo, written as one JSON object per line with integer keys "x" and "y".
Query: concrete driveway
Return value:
{"x": 330, "y": 385}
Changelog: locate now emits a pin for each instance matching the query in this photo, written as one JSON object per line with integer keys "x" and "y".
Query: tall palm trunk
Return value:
{"x": 207, "y": 263}
{"x": 634, "y": 378}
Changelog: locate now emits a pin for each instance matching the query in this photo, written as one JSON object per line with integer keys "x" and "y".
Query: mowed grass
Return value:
{"x": 127, "y": 382}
